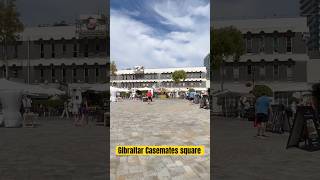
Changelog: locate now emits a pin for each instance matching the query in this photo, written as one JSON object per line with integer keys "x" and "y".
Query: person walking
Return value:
{"x": 75, "y": 110}
{"x": 65, "y": 110}
{"x": 262, "y": 109}
{"x": 27, "y": 103}
{"x": 149, "y": 96}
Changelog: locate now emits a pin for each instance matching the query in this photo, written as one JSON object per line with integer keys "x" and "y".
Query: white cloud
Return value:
{"x": 135, "y": 43}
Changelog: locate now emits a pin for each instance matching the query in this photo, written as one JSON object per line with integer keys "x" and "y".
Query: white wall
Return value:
{"x": 313, "y": 71}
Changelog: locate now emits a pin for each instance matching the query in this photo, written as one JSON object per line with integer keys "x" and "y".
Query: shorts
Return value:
{"x": 262, "y": 118}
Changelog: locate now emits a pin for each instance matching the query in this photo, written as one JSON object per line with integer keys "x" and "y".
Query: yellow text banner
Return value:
{"x": 160, "y": 150}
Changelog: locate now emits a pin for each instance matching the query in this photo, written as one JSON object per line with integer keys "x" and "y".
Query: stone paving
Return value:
{"x": 164, "y": 122}
{"x": 54, "y": 150}
{"x": 239, "y": 155}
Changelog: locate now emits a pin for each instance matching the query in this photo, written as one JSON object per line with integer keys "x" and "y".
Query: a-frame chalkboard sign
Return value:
{"x": 278, "y": 122}
{"x": 305, "y": 130}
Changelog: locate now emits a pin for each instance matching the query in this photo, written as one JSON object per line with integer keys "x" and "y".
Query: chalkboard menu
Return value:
{"x": 305, "y": 130}
{"x": 278, "y": 121}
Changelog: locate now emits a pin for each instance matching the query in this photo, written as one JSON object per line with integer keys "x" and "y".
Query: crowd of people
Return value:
{"x": 74, "y": 108}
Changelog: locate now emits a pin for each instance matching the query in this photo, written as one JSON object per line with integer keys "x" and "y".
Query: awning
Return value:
{"x": 6, "y": 85}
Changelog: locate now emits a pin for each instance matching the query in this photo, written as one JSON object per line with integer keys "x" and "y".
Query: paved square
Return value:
{"x": 55, "y": 150}
{"x": 239, "y": 155}
{"x": 164, "y": 122}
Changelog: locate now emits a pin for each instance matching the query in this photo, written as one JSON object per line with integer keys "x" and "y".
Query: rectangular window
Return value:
{"x": 262, "y": 44}
{"x": 249, "y": 45}
{"x": 262, "y": 70}
{"x": 75, "y": 49}
{"x": 86, "y": 72}
{"x": 86, "y": 50}
{"x": 63, "y": 72}
{"x": 53, "y": 50}
{"x": 249, "y": 69}
{"x": 97, "y": 72}
{"x": 53, "y": 72}
{"x": 97, "y": 45}
{"x": 16, "y": 51}
{"x": 289, "y": 72}
{"x": 64, "y": 48}
{"x": 289, "y": 44}
{"x": 236, "y": 73}
{"x": 74, "y": 71}
{"x": 41, "y": 50}
{"x": 41, "y": 73}
{"x": 276, "y": 70}
{"x": 275, "y": 44}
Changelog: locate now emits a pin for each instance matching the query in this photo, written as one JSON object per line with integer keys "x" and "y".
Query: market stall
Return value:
{"x": 11, "y": 95}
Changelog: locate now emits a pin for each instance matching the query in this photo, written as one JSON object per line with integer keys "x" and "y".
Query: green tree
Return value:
{"x": 113, "y": 68}
{"x": 259, "y": 90}
{"x": 178, "y": 76}
{"x": 10, "y": 25}
{"x": 225, "y": 43}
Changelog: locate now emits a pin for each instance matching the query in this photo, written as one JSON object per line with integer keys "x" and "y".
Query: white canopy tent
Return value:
{"x": 114, "y": 91}
{"x": 99, "y": 87}
{"x": 10, "y": 98}
{"x": 29, "y": 89}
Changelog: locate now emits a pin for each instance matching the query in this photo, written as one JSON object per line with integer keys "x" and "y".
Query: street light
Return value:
{"x": 253, "y": 74}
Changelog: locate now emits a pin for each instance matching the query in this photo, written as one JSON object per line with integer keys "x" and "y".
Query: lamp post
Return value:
{"x": 253, "y": 78}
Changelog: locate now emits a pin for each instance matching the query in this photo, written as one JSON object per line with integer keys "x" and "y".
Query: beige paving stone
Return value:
{"x": 172, "y": 122}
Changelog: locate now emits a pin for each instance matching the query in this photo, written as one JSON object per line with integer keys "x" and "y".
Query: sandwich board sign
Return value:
{"x": 278, "y": 122}
{"x": 305, "y": 128}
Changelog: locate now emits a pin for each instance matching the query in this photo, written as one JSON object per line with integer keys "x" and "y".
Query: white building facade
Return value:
{"x": 59, "y": 54}
{"x": 140, "y": 77}
{"x": 276, "y": 55}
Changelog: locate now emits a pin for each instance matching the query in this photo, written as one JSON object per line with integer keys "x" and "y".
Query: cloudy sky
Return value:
{"x": 153, "y": 33}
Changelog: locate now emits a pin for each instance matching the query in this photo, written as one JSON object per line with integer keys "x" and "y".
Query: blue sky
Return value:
{"x": 155, "y": 34}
